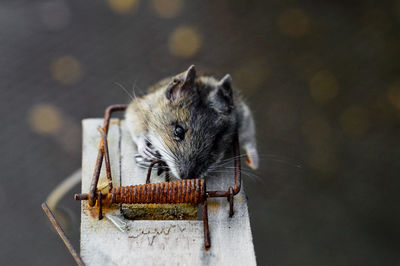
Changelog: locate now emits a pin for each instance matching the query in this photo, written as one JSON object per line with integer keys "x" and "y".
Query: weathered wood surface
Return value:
{"x": 156, "y": 242}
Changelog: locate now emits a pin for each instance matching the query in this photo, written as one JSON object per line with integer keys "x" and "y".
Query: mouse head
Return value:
{"x": 194, "y": 123}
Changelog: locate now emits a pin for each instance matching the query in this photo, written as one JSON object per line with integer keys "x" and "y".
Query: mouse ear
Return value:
{"x": 222, "y": 97}
{"x": 226, "y": 83}
{"x": 181, "y": 87}
{"x": 190, "y": 76}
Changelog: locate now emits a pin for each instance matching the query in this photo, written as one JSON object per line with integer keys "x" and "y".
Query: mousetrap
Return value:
{"x": 229, "y": 242}
{"x": 170, "y": 192}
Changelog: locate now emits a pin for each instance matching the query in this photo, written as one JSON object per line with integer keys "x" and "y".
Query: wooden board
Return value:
{"x": 156, "y": 242}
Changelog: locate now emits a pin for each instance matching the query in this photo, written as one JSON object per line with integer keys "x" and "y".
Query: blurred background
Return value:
{"x": 322, "y": 78}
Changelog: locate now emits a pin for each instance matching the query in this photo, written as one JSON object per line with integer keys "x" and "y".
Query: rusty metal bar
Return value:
{"x": 95, "y": 179}
{"x": 104, "y": 146}
{"x": 217, "y": 194}
{"x": 230, "y": 199}
{"x": 99, "y": 160}
{"x": 61, "y": 233}
{"x": 81, "y": 196}
{"x": 206, "y": 229}
{"x": 238, "y": 174}
{"x": 100, "y": 203}
{"x": 151, "y": 168}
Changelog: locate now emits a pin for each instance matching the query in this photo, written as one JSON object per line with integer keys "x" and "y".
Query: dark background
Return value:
{"x": 322, "y": 78}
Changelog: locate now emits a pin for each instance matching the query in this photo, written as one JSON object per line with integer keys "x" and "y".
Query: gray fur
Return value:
{"x": 209, "y": 111}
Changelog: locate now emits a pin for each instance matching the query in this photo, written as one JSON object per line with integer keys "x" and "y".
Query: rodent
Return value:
{"x": 189, "y": 122}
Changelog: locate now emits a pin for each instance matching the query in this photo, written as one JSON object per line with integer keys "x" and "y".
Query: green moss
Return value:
{"x": 182, "y": 211}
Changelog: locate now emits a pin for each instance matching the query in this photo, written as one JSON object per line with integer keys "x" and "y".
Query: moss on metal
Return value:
{"x": 182, "y": 211}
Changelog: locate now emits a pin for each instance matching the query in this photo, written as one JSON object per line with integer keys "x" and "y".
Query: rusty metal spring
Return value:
{"x": 184, "y": 191}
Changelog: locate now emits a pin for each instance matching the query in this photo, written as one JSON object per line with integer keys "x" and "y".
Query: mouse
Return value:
{"x": 189, "y": 122}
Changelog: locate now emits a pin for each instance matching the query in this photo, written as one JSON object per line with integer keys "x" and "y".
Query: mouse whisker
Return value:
{"x": 233, "y": 158}
{"x": 285, "y": 162}
{"x": 160, "y": 148}
{"x": 265, "y": 157}
{"x": 125, "y": 90}
{"x": 243, "y": 172}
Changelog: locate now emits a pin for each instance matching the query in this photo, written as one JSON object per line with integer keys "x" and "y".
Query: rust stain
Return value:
{"x": 114, "y": 122}
{"x": 239, "y": 198}
{"x": 103, "y": 186}
{"x": 213, "y": 206}
{"x": 93, "y": 212}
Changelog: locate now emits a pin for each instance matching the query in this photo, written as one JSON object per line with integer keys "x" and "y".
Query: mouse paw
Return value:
{"x": 146, "y": 154}
{"x": 252, "y": 159}
{"x": 141, "y": 161}
{"x": 146, "y": 150}
{"x": 151, "y": 154}
{"x": 145, "y": 163}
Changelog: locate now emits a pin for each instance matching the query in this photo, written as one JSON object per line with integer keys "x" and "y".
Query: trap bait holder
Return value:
{"x": 169, "y": 192}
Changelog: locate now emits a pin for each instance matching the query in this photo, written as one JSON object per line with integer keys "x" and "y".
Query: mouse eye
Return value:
{"x": 179, "y": 133}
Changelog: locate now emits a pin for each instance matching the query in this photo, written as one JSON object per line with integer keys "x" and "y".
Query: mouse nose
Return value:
{"x": 184, "y": 175}
{"x": 189, "y": 174}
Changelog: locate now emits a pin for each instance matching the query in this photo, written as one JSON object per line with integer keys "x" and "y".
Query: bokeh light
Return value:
{"x": 49, "y": 120}
{"x": 167, "y": 8}
{"x": 185, "y": 42}
{"x": 66, "y": 70}
{"x": 323, "y": 87}
{"x": 354, "y": 120}
{"x": 45, "y": 119}
{"x": 293, "y": 23}
{"x": 123, "y": 6}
